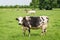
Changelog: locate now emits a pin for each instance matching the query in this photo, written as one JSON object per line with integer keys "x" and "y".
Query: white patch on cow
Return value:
{"x": 27, "y": 17}
{"x": 45, "y": 19}
{"x": 32, "y": 11}
{"x": 20, "y": 20}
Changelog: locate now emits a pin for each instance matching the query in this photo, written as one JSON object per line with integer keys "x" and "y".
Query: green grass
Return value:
{"x": 10, "y": 30}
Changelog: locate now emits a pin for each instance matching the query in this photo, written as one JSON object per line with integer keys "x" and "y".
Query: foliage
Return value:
{"x": 43, "y": 4}
{"x": 15, "y": 6}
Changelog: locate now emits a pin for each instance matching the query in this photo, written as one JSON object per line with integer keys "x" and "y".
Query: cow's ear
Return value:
{"x": 16, "y": 18}
{"x": 47, "y": 18}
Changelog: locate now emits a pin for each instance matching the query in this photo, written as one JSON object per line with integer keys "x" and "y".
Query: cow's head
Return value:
{"x": 19, "y": 19}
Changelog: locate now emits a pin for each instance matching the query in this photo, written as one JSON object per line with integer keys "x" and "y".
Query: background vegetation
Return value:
{"x": 45, "y": 4}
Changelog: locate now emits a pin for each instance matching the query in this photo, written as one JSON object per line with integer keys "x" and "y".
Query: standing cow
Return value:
{"x": 30, "y": 11}
{"x": 29, "y": 22}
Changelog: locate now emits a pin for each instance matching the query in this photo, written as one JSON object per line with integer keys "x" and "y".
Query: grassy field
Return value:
{"x": 10, "y": 30}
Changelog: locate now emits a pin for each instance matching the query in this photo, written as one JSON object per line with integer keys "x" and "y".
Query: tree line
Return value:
{"x": 15, "y": 6}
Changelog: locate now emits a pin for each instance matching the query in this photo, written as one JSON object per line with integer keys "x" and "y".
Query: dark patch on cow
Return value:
{"x": 17, "y": 19}
{"x": 47, "y": 18}
{"x": 25, "y": 22}
{"x": 33, "y": 21}
{"x": 42, "y": 18}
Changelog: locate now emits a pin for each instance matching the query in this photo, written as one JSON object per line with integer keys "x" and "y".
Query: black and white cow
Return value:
{"x": 29, "y": 22}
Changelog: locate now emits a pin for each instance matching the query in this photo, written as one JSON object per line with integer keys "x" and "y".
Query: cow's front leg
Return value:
{"x": 24, "y": 30}
{"x": 44, "y": 29}
{"x": 42, "y": 32}
{"x": 29, "y": 32}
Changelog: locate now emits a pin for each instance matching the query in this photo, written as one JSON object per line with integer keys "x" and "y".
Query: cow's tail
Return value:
{"x": 47, "y": 19}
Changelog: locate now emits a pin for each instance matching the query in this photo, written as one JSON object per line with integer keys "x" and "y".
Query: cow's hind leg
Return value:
{"x": 44, "y": 29}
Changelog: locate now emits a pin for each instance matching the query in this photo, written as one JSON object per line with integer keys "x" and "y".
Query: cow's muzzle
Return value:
{"x": 19, "y": 24}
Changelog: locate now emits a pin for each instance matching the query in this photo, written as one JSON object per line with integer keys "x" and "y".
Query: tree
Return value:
{"x": 41, "y": 4}
{"x": 34, "y": 4}
{"x": 49, "y": 4}
{"x": 17, "y": 6}
{"x": 58, "y": 2}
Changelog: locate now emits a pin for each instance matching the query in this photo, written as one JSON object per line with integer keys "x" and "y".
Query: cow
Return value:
{"x": 30, "y": 11}
{"x": 30, "y": 22}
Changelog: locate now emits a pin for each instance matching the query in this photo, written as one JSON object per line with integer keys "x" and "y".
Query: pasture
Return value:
{"x": 10, "y": 30}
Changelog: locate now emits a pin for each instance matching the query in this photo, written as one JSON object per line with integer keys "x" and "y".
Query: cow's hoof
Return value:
{"x": 29, "y": 35}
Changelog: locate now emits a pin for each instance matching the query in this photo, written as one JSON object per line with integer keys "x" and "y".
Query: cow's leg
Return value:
{"x": 29, "y": 32}
{"x": 24, "y": 30}
{"x": 44, "y": 29}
